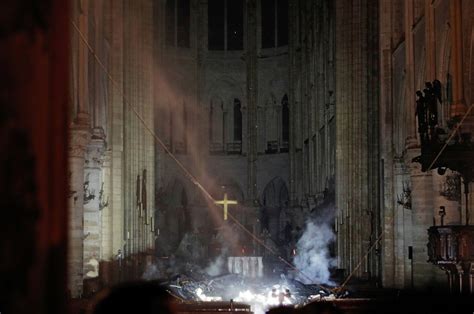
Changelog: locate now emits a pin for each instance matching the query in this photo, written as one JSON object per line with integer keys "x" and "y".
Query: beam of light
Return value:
{"x": 209, "y": 199}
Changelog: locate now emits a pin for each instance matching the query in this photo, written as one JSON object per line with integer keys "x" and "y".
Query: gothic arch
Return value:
{"x": 274, "y": 202}
{"x": 175, "y": 215}
{"x": 229, "y": 186}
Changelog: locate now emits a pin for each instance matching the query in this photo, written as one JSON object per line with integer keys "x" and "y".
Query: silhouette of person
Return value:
{"x": 145, "y": 297}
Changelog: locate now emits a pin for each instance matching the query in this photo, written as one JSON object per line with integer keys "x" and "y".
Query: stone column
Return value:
{"x": 430, "y": 45}
{"x": 116, "y": 136}
{"x": 107, "y": 252}
{"x": 458, "y": 108}
{"x": 400, "y": 248}
{"x": 411, "y": 140}
{"x": 424, "y": 274}
{"x": 386, "y": 131}
{"x": 252, "y": 97}
{"x": 79, "y": 138}
{"x": 93, "y": 202}
{"x": 292, "y": 74}
{"x": 82, "y": 58}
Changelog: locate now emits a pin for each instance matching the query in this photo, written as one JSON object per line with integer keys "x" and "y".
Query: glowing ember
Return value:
{"x": 261, "y": 302}
{"x": 204, "y": 297}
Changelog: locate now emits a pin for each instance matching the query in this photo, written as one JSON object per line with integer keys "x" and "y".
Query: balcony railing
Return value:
{"x": 451, "y": 248}
{"x": 450, "y": 244}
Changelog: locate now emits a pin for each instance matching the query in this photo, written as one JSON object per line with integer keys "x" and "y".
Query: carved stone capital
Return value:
{"x": 95, "y": 150}
{"x": 79, "y": 135}
{"x": 78, "y": 140}
{"x": 413, "y": 168}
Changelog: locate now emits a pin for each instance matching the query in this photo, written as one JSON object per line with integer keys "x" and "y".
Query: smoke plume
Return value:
{"x": 216, "y": 267}
{"x": 312, "y": 258}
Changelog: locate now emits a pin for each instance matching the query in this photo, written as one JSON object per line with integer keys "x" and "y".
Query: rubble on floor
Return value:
{"x": 259, "y": 293}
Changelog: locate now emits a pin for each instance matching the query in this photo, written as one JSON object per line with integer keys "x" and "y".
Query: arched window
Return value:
{"x": 285, "y": 122}
{"x": 237, "y": 121}
{"x": 225, "y": 15}
{"x": 177, "y": 23}
{"x": 274, "y": 23}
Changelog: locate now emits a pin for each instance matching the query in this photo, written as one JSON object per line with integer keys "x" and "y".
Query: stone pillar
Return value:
{"x": 81, "y": 60}
{"x": 458, "y": 108}
{"x": 93, "y": 203}
{"x": 107, "y": 252}
{"x": 252, "y": 98}
{"x": 411, "y": 140}
{"x": 386, "y": 129}
{"x": 116, "y": 136}
{"x": 400, "y": 233}
{"x": 79, "y": 138}
{"x": 430, "y": 45}
{"x": 424, "y": 274}
{"x": 292, "y": 74}
{"x": 357, "y": 103}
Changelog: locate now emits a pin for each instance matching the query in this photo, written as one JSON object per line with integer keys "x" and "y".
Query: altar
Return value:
{"x": 247, "y": 266}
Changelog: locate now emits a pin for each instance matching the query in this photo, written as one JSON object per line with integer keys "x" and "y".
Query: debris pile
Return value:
{"x": 260, "y": 294}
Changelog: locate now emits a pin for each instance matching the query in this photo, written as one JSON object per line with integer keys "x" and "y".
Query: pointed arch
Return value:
{"x": 275, "y": 193}
{"x": 274, "y": 201}
{"x": 229, "y": 186}
{"x": 175, "y": 215}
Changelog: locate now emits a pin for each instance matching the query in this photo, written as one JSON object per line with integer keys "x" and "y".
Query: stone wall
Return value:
{"x": 427, "y": 47}
{"x": 112, "y": 147}
{"x": 312, "y": 101}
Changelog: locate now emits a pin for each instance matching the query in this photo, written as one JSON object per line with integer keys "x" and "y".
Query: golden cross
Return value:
{"x": 225, "y": 202}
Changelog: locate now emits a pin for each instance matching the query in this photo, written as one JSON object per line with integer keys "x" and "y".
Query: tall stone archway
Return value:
{"x": 274, "y": 203}
{"x": 174, "y": 217}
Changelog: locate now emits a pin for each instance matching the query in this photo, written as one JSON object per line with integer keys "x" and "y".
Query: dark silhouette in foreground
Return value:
{"x": 138, "y": 297}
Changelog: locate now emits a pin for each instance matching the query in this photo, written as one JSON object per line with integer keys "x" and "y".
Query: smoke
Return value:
{"x": 312, "y": 258}
{"x": 215, "y": 268}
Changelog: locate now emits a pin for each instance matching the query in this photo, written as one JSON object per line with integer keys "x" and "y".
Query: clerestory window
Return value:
{"x": 225, "y": 24}
{"x": 274, "y": 23}
{"x": 177, "y": 23}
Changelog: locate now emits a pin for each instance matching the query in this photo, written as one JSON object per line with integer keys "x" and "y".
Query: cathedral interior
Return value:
{"x": 239, "y": 154}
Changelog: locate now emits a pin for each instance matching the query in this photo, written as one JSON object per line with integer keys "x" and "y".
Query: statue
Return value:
{"x": 432, "y": 103}
{"x": 421, "y": 113}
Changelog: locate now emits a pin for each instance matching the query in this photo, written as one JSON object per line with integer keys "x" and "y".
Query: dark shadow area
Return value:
{"x": 136, "y": 297}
